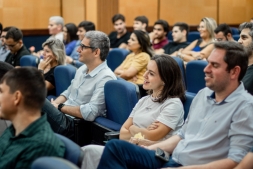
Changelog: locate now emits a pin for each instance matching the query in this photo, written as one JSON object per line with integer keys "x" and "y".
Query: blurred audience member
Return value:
{"x": 246, "y": 39}
{"x": 159, "y": 35}
{"x": 55, "y": 27}
{"x": 14, "y": 42}
{"x": 70, "y": 37}
{"x": 120, "y": 35}
{"x": 201, "y": 48}
{"x": 223, "y": 33}
{"x": 140, "y": 23}
{"x": 53, "y": 55}
{"x": 4, "y": 51}
{"x": 179, "y": 33}
{"x": 134, "y": 66}
{"x": 83, "y": 27}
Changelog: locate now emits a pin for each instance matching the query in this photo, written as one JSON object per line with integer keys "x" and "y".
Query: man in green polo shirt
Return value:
{"x": 22, "y": 94}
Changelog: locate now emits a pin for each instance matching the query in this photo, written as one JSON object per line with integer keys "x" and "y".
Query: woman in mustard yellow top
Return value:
{"x": 134, "y": 66}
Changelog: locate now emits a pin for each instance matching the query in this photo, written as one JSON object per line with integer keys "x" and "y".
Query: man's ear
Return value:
{"x": 17, "y": 97}
{"x": 184, "y": 32}
{"x": 235, "y": 72}
{"x": 97, "y": 52}
{"x": 229, "y": 35}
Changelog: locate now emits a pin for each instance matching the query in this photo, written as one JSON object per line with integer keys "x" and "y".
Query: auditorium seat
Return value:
{"x": 63, "y": 76}
{"x": 115, "y": 57}
{"x": 120, "y": 98}
{"x": 28, "y": 60}
{"x": 180, "y": 63}
{"x": 52, "y": 163}
{"x": 195, "y": 76}
{"x": 192, "y": 36}
{"x": 235, "y": 31}
{"x": 236, "y": 37}
{"x": 187, "y": 104}
{"x": 73, "y": 152}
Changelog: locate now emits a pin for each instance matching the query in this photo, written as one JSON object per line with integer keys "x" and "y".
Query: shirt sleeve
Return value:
{"x": 172, "y": 113}
{"x": 140, "y": 62}
{"x": 240, "y": 133}
{"x": 96, "y": 106}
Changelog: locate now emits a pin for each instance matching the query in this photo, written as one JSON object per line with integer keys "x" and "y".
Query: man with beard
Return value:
{"x": 246, "y": 39}
{"x": 159, "y": 35}
{"x": 120, "y": 35}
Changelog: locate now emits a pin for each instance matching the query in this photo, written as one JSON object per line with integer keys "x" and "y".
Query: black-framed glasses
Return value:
{"x": 85, "y": 47}
{"x": 11, "y": 46}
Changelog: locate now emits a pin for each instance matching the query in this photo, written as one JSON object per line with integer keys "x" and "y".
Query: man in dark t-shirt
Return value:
{"x": 120, "y": 35}
{"x": 246, "y": 39}
{"x": 179, "y": 34}
{"x": 15, "y": 44}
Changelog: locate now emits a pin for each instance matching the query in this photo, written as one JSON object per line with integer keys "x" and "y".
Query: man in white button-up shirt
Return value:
{"x": 218, "y": 132}
{"x": 84, "y": 98}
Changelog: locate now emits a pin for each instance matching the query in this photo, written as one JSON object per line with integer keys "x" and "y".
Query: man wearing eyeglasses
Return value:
{"x": 14, "y": 42}
{"x": 84, "y": 98}
{"x": 223, "y": 33}
{"x": 4, "y": 51}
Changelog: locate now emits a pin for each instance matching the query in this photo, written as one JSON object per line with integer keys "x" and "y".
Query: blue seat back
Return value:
{"x": 120, "y": 99}
{"x": 236, "y": 37}
{"x": 187, "y": 104}
{"x": 28, "y": 60}
{"x": 73, "y": 152}
{"x": 52, "y": 163}
{"x": 235, "y": 31}
{"x": 181, "y": 66}
{"x": 195, "y": 76}
{"x": 63, "y": 75}
{"x": 169, "y": 36}
{"x": 116, "y": 57}
{"x": 192, "y": 36}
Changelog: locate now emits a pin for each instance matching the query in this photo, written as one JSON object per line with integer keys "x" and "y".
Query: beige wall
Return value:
{"x": 34, "y": 14}
{"x": 190, "y": 12}
{"x": 132, "y": 8}
{"x": 28, "y": 14}
{"x": 235, "y": 11}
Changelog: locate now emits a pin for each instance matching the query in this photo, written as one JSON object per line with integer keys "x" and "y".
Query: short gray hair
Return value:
{"x": 247, "y": 25}
{"x": 99, "y": 40}
{"x": 58, "y": 20}
{"x": 57, "y": 48}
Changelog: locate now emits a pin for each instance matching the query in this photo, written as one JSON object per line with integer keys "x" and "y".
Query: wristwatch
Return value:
{"x": 60, "y": 106}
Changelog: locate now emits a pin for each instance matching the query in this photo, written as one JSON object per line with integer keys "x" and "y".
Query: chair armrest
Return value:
{"x": 112, "y": 135}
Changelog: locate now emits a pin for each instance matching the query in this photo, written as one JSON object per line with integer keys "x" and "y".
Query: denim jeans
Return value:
{"x": 121, "y": 154}
{"x": 60, "y": 123}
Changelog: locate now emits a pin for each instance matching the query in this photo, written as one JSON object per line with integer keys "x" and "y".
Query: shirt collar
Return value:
{"x": 230, "y": 97}
{"x": 96, "y": 70}
{"x": 31, "y": 129}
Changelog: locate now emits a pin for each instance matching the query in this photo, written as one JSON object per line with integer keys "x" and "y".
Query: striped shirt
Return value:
{"x": 35, "y": 141}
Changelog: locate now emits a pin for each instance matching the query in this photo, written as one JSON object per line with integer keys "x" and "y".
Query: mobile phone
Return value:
{"x": 162, "y": 155}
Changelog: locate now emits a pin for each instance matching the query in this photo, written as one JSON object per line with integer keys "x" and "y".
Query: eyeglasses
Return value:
{"x": 11, "y": 46}
{"x": 85, "y": 47}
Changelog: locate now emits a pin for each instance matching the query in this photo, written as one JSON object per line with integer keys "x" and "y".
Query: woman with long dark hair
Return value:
{"x": 134, "y": 66}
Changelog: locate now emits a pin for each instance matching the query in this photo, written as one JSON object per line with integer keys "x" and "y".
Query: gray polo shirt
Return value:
{"x": 214, "y": 131}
